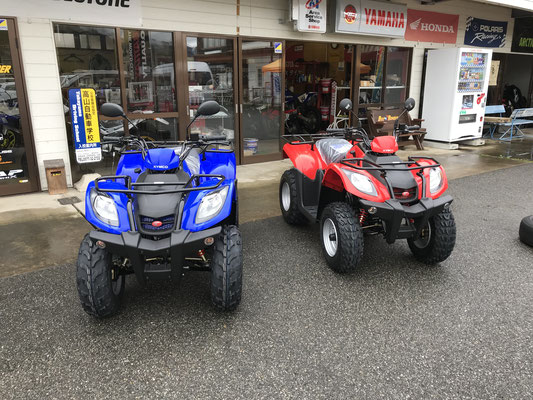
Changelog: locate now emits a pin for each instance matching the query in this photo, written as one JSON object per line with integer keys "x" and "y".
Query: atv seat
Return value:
{"x": 333, "y": 150}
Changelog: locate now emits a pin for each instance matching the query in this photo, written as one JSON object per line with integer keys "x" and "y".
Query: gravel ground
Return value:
{"x": 395, "y": 329}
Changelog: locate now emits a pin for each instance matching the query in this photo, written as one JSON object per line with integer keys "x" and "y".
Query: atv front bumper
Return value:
{"x": 137, "y": 249}
{"x": 397, "y": 217}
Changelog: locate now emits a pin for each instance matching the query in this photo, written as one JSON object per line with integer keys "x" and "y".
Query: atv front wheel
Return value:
{"x": 99, "y": 287}
{"x": 437, "y": 239}
{"x": 288, "y": 195}
{"x": 341, "y": 237}
{"x": 226, "y": 269}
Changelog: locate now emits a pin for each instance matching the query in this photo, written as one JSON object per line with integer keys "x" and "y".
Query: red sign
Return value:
{"x": 350, "y": 14}
{"x": 427, "y": 26}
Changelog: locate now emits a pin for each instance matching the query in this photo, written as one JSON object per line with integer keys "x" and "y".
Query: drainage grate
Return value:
{"x": 69, "y": 200}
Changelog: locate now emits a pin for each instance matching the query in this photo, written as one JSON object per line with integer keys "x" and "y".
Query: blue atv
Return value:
{"x": 170, "y": 208}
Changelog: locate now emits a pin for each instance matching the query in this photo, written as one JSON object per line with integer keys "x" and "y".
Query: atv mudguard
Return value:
{"x": 305, "y": 159}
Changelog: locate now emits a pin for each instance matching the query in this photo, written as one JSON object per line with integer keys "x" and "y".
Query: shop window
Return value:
{"x": 371, "y": 74}
{"x": 87, "y": 58}
{"x": 84, "y": 62}
{"x": 210, "y": 72}
{"x": 262, "y": 112}
{"x": 149, "y": 71}
{"x": 397, "y": 70}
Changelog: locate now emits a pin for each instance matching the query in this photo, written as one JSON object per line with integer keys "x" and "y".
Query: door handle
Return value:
{"x": 241, "y": 108}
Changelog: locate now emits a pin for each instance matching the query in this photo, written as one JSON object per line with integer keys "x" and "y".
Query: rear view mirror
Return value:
{"x": 409, "y": 104}
{"x": 210, "y": 107}
{"x": 112, "y": 110}
{"x": 346, "y": 105}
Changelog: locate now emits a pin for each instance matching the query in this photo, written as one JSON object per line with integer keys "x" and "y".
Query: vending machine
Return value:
{"x": 455, "y": 93}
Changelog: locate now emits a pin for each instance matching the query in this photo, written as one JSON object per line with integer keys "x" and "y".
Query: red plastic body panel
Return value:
{"x": 384, "y": 145}
{"x": 439, "y": 192}
{"x": 305, "y": 160}
{"x": 335, "y": 179}
{"x": 308, "y": 161}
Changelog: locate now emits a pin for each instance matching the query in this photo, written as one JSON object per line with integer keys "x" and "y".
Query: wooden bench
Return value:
{"x": 512, "y": 123}
{"x": 381, "y": 123}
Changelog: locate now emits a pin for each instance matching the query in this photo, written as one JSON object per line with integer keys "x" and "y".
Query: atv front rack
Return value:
{"x": 392, "y": 166}
{"x": 183, "y": 189}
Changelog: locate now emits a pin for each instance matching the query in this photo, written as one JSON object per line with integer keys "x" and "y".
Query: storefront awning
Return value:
{"x": 272, "y": 67}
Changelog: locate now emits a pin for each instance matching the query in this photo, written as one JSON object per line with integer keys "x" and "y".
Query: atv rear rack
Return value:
{"x": 308, "y": 138}
{"x": 184, "y": 189}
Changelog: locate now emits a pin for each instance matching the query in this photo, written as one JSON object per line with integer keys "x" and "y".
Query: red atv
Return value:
{"x": 354, "y": 186}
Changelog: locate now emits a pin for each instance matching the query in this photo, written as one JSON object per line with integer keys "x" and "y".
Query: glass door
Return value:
{"x": 211, "y": 68}
{"x": 262, "y": 97}
{"x": 17, "y": 166}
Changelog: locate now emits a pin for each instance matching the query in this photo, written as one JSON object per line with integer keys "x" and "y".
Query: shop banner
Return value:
{"x": 366, "y": 17}
{"x": 85, "y": 128}
{"x": 311, "y": 15}
{"x": 523, "y": 35}
{"x": 140, "y": 89}
{"x": 98, "y": 11}
{"x": 485, "y": 33}
{"x": 427, "y": 26}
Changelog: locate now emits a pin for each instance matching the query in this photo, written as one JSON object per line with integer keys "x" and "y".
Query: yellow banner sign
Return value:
{"x": 90, "y": 116}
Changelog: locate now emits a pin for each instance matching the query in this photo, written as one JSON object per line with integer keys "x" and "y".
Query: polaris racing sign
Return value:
{"x": 485, "y": 33}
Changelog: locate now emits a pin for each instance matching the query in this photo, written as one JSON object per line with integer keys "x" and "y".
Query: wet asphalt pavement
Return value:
{"x": 395, "y": 329}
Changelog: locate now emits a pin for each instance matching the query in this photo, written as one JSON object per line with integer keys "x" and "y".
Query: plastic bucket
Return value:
{"x": 250, "y": 144}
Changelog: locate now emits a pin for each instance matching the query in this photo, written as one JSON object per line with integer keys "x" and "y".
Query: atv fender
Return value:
{"x": 337, "y": 180}
{"x": 305, "y": 159}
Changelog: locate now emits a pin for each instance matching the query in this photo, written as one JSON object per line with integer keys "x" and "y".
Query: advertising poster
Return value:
{"x": 366, "y": 17}
{"x": 312, "y": 16}
{"x": 140, "y": 88}
{"x": 523, "y": 35}
{"x": 485, "y": 33}
{"x": 427, "y": 26}
{"x": 85, "y": 128}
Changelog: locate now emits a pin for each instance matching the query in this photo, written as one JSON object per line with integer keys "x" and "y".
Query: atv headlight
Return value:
{"x": 435, "y": 179}
{"x": 211, "y": 205}
{"x": 104, "y": 207}
{"x": 361, "y": 182}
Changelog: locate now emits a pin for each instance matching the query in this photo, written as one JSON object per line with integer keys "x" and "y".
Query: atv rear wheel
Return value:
{"x": 341, "y": 237}
{"x": 437, "y": 239}
{"x": 288, "y": 199}
{"x": 526, "y": 230}
{"x": 100, "y": 287}
{"x": 226, "y": 269}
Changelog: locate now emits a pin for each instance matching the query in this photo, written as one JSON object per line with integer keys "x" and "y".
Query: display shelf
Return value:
{"x": 470, "y": 80}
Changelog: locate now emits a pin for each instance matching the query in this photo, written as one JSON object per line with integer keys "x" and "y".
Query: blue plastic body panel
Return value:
{"x": 212, "y": 162}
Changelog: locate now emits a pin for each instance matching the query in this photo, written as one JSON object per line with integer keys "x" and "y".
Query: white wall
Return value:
{"x": 257, "y": 18}
{"x": 44, "y": 93}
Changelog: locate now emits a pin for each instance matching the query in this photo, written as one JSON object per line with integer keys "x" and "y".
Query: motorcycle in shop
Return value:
{"x": 301, "y": 114}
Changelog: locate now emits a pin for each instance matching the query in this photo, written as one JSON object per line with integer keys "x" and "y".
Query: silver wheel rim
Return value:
{"x": 285, "y": 196}
{"x": 425, "y": 236}
{"x": 117, "y": 284}
{"x": 329, "y": 237}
